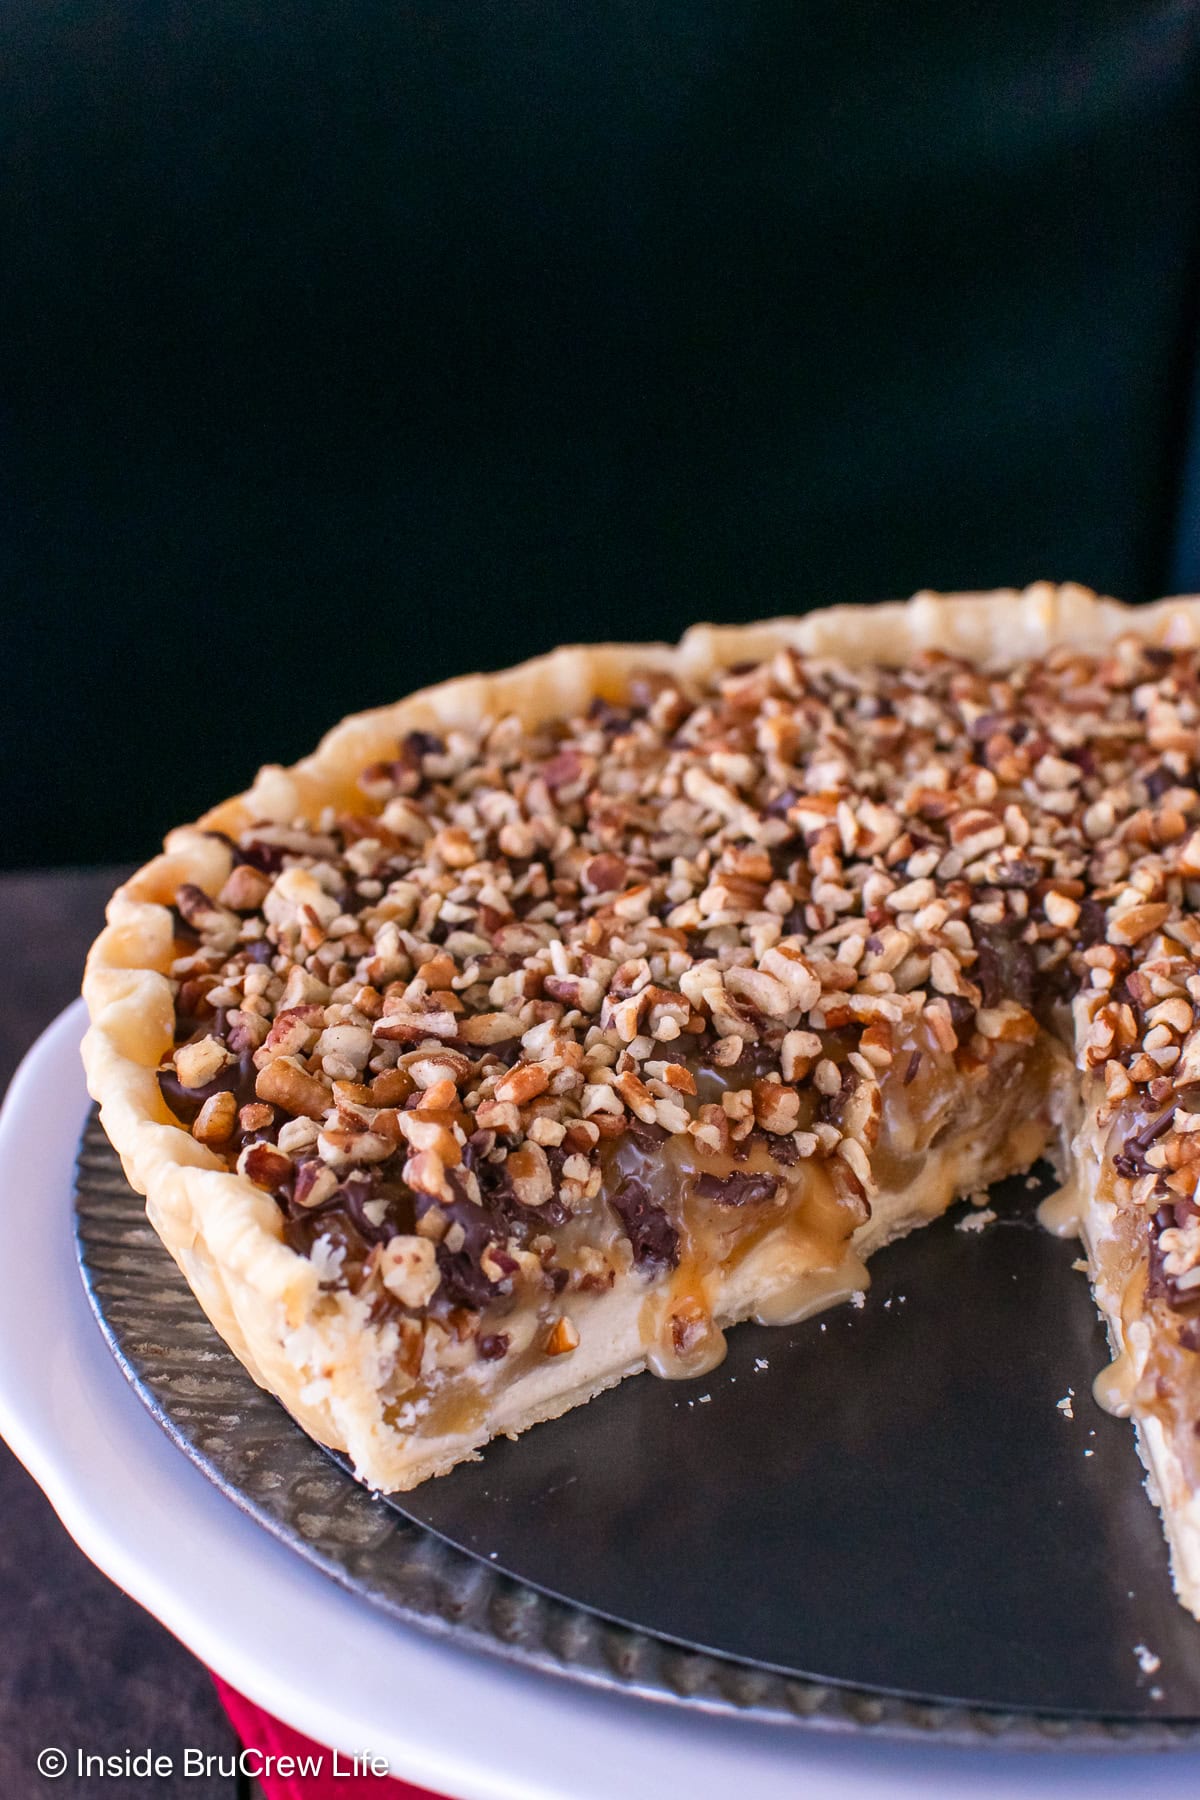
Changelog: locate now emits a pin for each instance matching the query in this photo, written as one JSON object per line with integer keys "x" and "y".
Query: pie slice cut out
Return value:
{"x": 541, "y": 1027}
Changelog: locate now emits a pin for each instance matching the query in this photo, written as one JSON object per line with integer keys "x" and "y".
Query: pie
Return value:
{"x": 540, "y": 1027}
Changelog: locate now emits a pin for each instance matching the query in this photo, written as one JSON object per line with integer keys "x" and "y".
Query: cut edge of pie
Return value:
{"x": 314, "y": 1349}
{"x": 1086, "y": 1206}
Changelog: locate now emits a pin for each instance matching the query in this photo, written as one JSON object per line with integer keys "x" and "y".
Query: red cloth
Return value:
{"x": 265, "y": 1735}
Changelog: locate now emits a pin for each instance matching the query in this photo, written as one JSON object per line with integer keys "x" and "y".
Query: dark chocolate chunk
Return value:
{"x": 1019, "y": 873}
{"x": 737, "y": 1189}
{"x": 1091, "y": 924}
{"x": 653, "y": 1237}
{"x": 423, "y": 743}
{"x": 1004, "y": 967}
{"x": 354, "y": 1194}
{"x": 236, "y": 1078}
{"x": 266, "y": 858}
{"x": 962, "y": 1015}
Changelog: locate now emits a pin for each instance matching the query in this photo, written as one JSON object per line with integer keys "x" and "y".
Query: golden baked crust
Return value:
{"x": 310, "y": 1347}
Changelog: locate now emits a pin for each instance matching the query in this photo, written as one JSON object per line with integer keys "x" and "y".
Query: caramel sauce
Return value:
{"x": 806, "y": 1221}
{"x": 681, "y": 1337}
{"x": 457, "y": 1407}
{"x": 1113, "y": 1388}
{"x": 808, "y": 1224}
{"x": 1060, "y": 1212}
{"x": 813, "y": 1291}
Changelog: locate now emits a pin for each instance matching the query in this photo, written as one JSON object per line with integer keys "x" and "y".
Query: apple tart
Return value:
{"x": 539, "y": 1028}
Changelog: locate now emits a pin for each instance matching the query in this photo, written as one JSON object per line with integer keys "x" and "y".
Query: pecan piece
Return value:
{"x": 284, "y": 1083}
{"x": 214, "y": 1123}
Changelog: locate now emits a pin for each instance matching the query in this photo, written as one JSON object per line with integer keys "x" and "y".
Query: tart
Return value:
{"x": 537, "y": 1029}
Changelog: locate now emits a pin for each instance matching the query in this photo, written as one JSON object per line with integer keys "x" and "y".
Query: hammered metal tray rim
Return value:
{"x": 514, "y": 1622}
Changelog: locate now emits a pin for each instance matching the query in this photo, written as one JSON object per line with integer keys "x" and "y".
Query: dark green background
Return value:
{"x": 347, "y": 346}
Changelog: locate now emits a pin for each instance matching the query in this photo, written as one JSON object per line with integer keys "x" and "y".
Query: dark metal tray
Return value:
{"x": 878, "y": 1518}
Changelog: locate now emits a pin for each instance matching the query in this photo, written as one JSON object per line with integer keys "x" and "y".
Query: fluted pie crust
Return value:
{"x": 315, "y": 1348}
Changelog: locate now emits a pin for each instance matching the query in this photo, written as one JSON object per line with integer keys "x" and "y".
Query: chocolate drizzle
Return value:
{"x": 1131, "y": 1159}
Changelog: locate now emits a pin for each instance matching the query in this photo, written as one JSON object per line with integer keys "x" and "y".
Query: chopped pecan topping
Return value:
{"x": 725, "y": 915}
